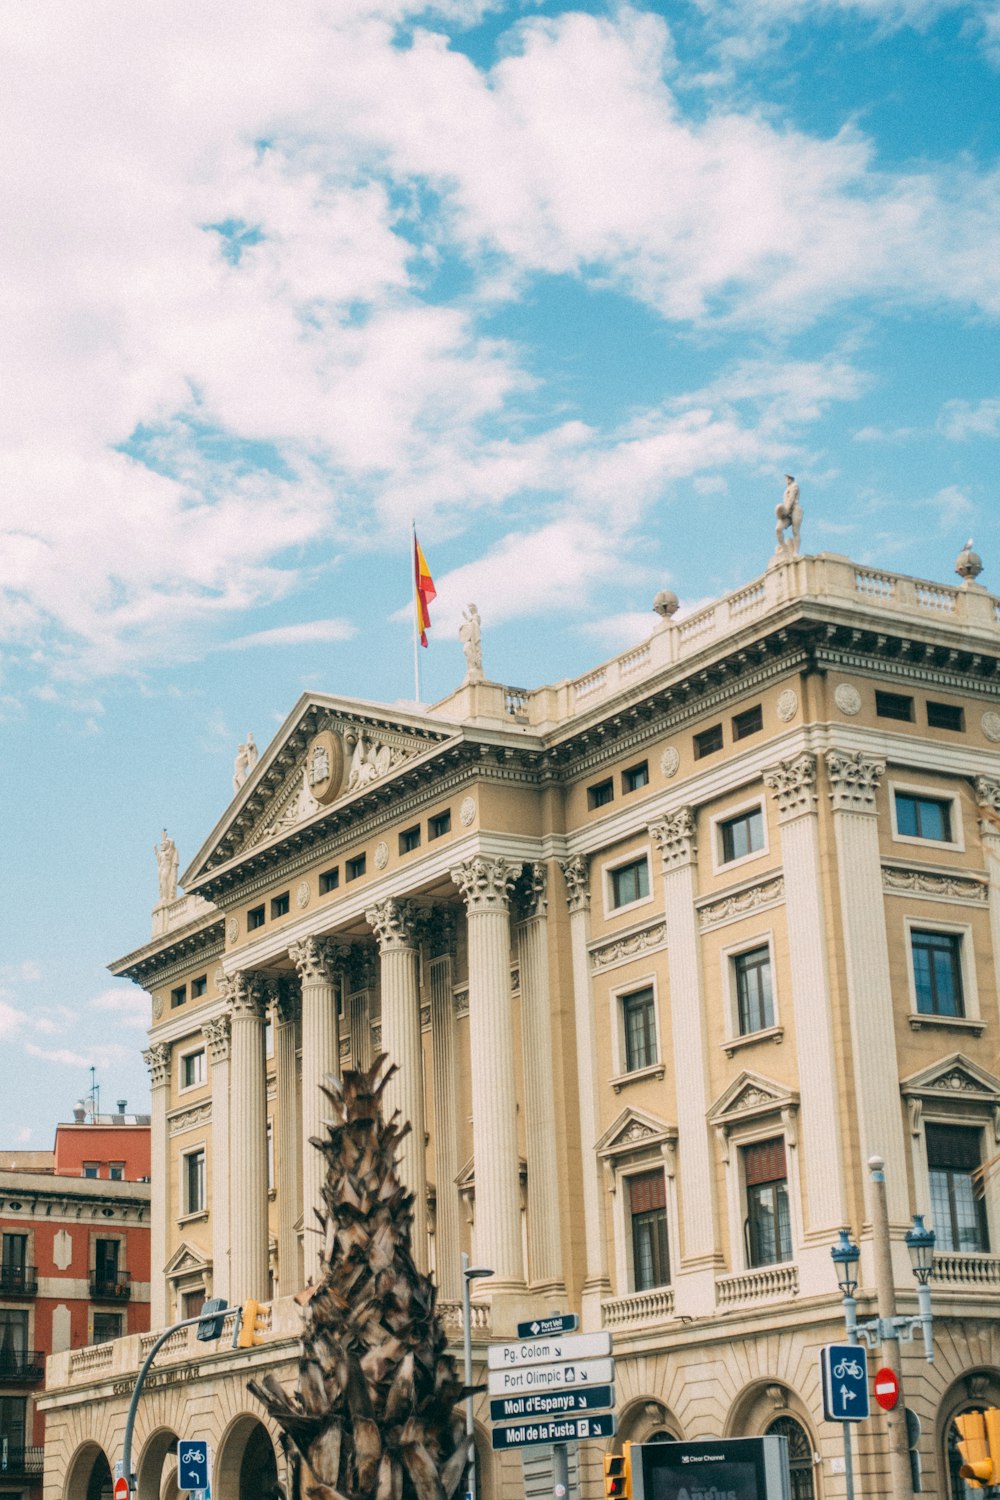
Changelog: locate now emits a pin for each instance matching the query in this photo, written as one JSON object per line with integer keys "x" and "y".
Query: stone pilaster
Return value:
{"x": 288, "y": 1136}
{"x": 394, "y": 925}
{"x": 358, "y": 978}
{"x": 597, "y": 1281}
{"x": 988, "y": 801}
{"x": 485, "y": 884}
{"x": 793, "y": 786}
{"x": 157, "y": 1060}
{"x": 694, "y": 1277}
{"x": 545, "y": 1266}
{"x": 854, "y": 780}
{"x": 216, "y": 1033}
{"x": 320, "y": 1056}
{"x": 248, "y": 1259}
{"x": 447, "y": 1226}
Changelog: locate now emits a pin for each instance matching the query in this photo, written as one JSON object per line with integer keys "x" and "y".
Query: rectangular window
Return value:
{"x": 754, "y": 997}
{"x": 193, "y": 1069}
{"x": 743, "y": 835}
{"x": 178, "y": 996}
{"x": 937, "y": 973}
{"x": 600, "y": 794}
{"x": 635, "y": 777}
{"x": 439, "y": 825}
{"x": 355, "y": 868}
{"x": 13, "y": 1336}
{"x": 630, "y": 882}
{"x": 280, "y": 905}
{"x": 107, "y": 1255}
{"x": 199, "y": 987}
{"x": 923, "y": 817}
{"x": 945, "y": 716}
{"x": 708, "y": 741}
{"x": 107, "y": 1326}
{"x": 957, "y": 1208}
{"x": 116, "y": 1171}
{"x": 90, "y": 1169}
{"x": 768, "y": 1225}
{"x": 193, "y": 1302}
{"x": 14, "y": 1256}
{"x": 409, "y": 840}
{"x": 751, "y": 721}
{"x": 894, "y": 706}
{"x": 639, "y": 1026}
{"x": 255, "y": 918}
{"x": 648, "y": 1212}
{"x": 329, "y": 880}
{"x": 194, "y": 1182}
{"x": 13, "y": 1419}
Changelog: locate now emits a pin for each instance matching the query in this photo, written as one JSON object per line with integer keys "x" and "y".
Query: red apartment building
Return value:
{"x": 74, "y": 1266}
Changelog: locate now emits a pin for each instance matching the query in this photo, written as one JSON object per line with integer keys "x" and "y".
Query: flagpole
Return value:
{"x": 413, "y": 591}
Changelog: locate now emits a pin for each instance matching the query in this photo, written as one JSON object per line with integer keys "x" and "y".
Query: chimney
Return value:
{"x": 121, "y": 1103}
{"x": 79, "y": 1115}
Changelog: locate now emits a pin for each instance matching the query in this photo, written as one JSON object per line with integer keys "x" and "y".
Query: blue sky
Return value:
{"x": 572, "y": 285}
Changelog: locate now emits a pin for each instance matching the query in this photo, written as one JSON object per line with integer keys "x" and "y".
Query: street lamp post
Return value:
{"x": 469, "y": 1274}
{"x": 888, "y": 1328}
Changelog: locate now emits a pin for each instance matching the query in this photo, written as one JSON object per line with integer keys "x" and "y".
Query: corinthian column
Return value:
{"x": 695, "y": 1278}
{"x": 247, "y": 1141}
{"x": 447, "y": 1221}
{"x": 485, "y": 884}
{"x": 597, "y": 1283}
{"x": 393, "y": 923}
{"x": 320, "y": 1056}
{"x": 157, "y": 1060}
{"x": 216, "y": 1034}
{"x": 988, "y": 801}
{"x": 854, "y": 781}
{"x": 288, "y": 1156}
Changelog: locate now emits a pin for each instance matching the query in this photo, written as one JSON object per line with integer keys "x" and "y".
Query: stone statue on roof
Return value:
{"x": 788, "y": 514}
{"x": 470, "y": 634}
{"x": 166, "y": 868}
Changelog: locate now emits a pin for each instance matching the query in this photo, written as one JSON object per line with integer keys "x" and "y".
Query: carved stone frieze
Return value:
{"x": 157, "y": 1060}
{"x": 854, "y": 780}
{"x": 915, "y": 881}
{"x": 485, "y": 882}
{"x": 576, "y": 873}
{"x": 393, "y": 923}
{"x": 314, "y": 959}
{"x": 793, "y": 784}
{"x": 628, "y": 947}
{"x": 190, "y": 1119}
{"x": 752, "y": 898}
{"x": 217, "y": 1034}
{"x": 530, "y": 899}
{"x": 676, "y": 837}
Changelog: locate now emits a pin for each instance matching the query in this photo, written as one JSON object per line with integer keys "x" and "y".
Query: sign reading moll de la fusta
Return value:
{"x": 562, "y": 1430}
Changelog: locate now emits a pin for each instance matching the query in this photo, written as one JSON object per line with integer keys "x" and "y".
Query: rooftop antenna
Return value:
{"x": 95, "y": 1095}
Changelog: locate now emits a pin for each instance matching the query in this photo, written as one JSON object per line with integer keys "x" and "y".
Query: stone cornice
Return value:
{"x": 162, "y": 960}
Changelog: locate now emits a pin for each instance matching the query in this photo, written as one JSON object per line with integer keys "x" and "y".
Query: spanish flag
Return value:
{"x": 424, "y": 588}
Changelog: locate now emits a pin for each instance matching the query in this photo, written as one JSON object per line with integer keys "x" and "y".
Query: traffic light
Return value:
{"x": 980, "y": 1447}
{"x": 252, "y": 1325}
{"x": 210, "y": 1326}
{"x": 618, "y": 1474}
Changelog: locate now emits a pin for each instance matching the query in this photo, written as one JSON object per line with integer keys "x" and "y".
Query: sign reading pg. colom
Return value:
{"x": 723, "y": 1469}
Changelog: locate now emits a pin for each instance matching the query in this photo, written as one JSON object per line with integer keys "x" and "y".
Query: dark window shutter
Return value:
{"x": 647, "y": 1191}
{"x": 765, "y": 1162}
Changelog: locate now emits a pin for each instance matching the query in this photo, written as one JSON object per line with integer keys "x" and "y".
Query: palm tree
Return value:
{"x": 374, "y": 1412}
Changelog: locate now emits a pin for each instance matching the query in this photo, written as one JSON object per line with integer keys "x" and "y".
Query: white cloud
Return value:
{"x": 100, "y": 1056}
{"x": 12, "y": 1020}
{"x": 304, "y": 634}
{"x": 965, "y": 419}
{"x": 129, "y": 1007}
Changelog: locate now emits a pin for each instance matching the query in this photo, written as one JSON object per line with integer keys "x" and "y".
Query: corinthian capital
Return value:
{"x": 216, "y": 1033}
{"x": 157, "y": 1060}
{"x": 793, "y": 784}
{"x": 394, "y": 925}
{"x": 988, "y": 801}
{"x": 313, "y": 958}
{"x": 287, "y": 1000}
{"x": 529, "y": 893}
{"x": 244, "y": 995}
{"x": 485, "y": 882}
{"x": 576, "y": 873}
{"x": 854, "y": 780}
{"x": 676, "y": 837}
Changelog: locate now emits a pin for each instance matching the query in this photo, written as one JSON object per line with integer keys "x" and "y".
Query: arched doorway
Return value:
{"x": 89, "y": 1475}
{"x": 800, "y": 1456}
{"x": 975, "y": 1390}
{"x": 156, "y": 1470}
{"x": 246, "y": 1467}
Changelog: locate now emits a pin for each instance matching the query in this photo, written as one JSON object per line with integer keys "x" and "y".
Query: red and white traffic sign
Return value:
{"x": 121, "y": 1488}
{"x": 886, "y": 1389}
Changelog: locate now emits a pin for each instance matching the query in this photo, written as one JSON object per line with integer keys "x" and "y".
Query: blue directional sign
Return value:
{"x": 192, "y": 1465}
{"x": 844, "y": 1370}
{"x": 537, "y": 1328}
{"x": 552, "y": 1403}
{"x": 561, "y": 1430}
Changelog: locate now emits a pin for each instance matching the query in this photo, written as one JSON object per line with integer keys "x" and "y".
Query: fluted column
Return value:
{"x": 694, "y": 1279}
{"x": 394, "y": 925}
{"x": 545, "y": 1267}
{"x": 485, "y": 884}
{"x": 216, "y": 1034}
{"x": 447, "y": 1218}
{"x": 854, "y": 780}
{"x": 597, "y": 1282}
{"x": 287, "y": 1145}
{"x": 793, "y": 786}
{"x": 157, "y": 1060}
{"x": 248, "y": 1261}
{"x": 320, "y": 1056}
{"x": 988, "y": 801}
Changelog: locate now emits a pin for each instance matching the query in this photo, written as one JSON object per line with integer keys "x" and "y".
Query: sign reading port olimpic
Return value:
{"x": 551, "y": 1377}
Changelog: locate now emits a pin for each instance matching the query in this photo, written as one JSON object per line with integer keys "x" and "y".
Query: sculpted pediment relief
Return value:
{"x": 634, "y": 1130}
{"x": 956, "y": 1076}
{"x": 750, "y": 1095}
{"x": 185, "y": 1260}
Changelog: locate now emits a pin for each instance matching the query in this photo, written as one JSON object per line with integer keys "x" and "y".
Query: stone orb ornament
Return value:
{"x": 670, "y": 762}
{"x": 666, "y": 604}
{"x": 847, "y": 698}
{"x": 787, "y": 706}
{"x": 968, "y": 565}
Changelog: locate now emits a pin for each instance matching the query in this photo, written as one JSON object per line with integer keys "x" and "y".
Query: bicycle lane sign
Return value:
{"x": 844, "y": 1372}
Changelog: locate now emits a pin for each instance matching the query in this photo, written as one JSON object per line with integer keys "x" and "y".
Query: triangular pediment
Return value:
{"x": 186, "y": 1260}
{"x": 954, "y": 1077}
{"x": 751, "y": 1094}
{"x": 633, "y": 1130}
{"x": 329, "y": 754}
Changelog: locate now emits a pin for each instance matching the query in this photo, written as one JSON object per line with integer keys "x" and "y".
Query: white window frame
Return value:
{"x": 978, "y": 1109}
{"x": 201, "y": 1148}
{"x": 607, "y": 871}
{"x": 721, "y": 865}
{"x": 930, "y": 794}
{"x": 182, "y": 1058}
{"x": 730, "y": 989}
{"x": 964, "y": 1122}
{"x": 629, "y": 1159}
{"x": 619, "y": 1056}
{"x": 738, "y": 1139}
{"x": 624, "y": 1175}
{"x": 967, "y": 960}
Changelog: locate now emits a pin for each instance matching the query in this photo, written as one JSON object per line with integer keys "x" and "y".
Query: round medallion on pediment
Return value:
{"x": 381, "y": 854}
{"x": 847, "y": 698}
{"x": 670, "y": 761}
{"x": 303, "y": 891}
{"x": 467, "y": 812}
{"x": 233, "y": 929}
{"x": 787, "y": 705}
{"x": 325, "y": 765}
{"x": 991, "y": 725}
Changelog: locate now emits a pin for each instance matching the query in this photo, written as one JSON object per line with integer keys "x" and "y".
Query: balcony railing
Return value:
{"x": 761, "y": 1285}
{"x": 116, "y": 1287}
{"x": 450, "y": 1314}
{"x": 22, "y": 1365}
{"x": 964, "y": 1268}
{"x": 655, "y": 1306}
{"x": 17, "y": 1460}
{"x": 18, "y": 1281}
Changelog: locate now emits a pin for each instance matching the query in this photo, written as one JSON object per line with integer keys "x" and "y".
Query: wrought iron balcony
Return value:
{"x": 116, "y": 1287}
{"x": 17, "y": 1461}
{"x": 18, "y": 1281}
{"x": 22, "y": 1366}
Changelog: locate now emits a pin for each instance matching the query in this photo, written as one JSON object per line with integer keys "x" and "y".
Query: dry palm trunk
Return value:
{"x": 374, "y": 1413}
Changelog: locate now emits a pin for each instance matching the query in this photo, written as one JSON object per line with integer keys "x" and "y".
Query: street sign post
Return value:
{"x": 549, "y": 1377}
{"x": 562, "y": 1430}
{"x": 844, "y": 1372}
{"x": 548, "y": 1351}
{"x": 544, "y": 1327}
{"x": 192, "y": 1465}
{"x": 552, "y": 1403}
{"x": 886, "y": 1388}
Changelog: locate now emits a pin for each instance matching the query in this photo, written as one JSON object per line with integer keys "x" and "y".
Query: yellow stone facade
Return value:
{"x": 663, "y": 962}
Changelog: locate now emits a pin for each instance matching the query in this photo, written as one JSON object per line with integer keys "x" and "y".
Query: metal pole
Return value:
{"x": 560, "y": 1471}
{"x": 885, "y": 1288}
{"x": 133, "y": 1405}
{"x": 848, "y": 1460}
{"x": 467, "y": 1351}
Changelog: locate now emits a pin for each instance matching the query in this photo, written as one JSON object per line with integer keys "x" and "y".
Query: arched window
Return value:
{"x": 800, "y": 1456}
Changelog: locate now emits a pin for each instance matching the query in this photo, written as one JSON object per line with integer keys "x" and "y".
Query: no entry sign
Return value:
{"x": 886, "y": 1388}
{"x": 121, "y": 1488}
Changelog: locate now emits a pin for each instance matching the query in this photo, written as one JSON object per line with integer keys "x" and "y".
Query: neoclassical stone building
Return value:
{"x": 664, "y": 955}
